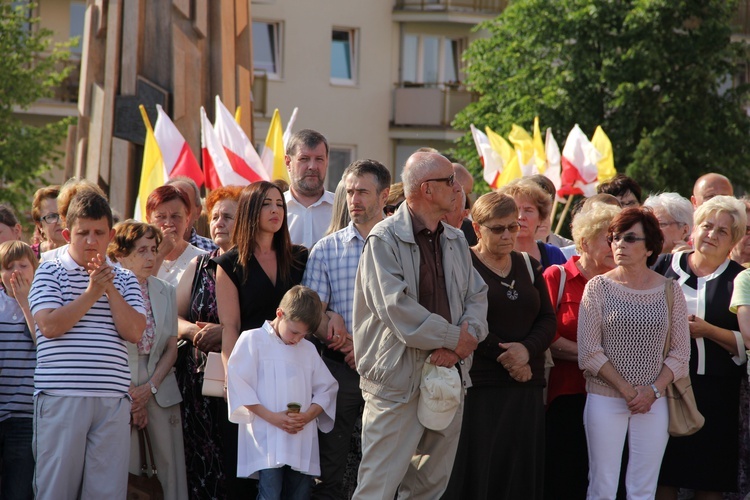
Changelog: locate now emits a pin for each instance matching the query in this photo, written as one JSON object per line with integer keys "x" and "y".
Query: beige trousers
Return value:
{"x": 400, "y": 455}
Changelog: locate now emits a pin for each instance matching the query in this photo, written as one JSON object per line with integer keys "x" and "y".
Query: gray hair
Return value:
{"x": 678, "y": 207}
{"x": 416, "y": 170}
{"x": 728, "y": 205}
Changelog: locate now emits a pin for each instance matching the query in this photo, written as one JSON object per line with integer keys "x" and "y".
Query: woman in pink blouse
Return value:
{"x": 622, "y": 328}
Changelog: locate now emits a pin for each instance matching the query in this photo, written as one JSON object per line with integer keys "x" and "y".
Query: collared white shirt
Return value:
{"x": 308, "y": 224}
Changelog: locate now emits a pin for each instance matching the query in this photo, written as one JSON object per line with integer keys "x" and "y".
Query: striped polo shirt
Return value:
{"x": 17, "y": 361}
{"x": 91, "y": 359}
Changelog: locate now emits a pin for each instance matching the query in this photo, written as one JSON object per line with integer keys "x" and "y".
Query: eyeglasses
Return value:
{"x": 448, "y": 180}
{"x": 51, "y": 218}
{"x": 512, "y": 228}
{"x": 627, "y": 238}
{"x": 664, "y": 225}
{"x": 391, "y": 209}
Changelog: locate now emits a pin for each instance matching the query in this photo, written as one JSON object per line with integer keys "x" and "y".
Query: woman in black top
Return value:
{"x": 501, "y": 449}
{"x": 254, "y": 275}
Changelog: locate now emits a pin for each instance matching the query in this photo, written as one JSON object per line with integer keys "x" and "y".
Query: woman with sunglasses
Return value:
{"x": 623, "y": 324}
{"x": 566, "y": 453}
{"x": 501, "y": 448}
{"x": 707, "y": 461}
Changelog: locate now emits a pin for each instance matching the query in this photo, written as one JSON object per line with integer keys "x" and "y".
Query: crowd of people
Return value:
{"x": 389, "y": 339}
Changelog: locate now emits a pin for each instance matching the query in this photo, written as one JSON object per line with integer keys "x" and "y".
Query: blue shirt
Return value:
{"x": 332, "y": 269}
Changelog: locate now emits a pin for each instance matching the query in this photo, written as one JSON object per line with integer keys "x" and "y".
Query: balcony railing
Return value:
{"x": 476, "y": 6}
{"x": 430, "y": 106}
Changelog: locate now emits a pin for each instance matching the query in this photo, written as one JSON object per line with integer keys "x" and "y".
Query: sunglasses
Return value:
{"x": 51, "y": 218}
{"x": 627, "y": 238}
{"x": 512, "y": 228}
{"x": 448, "y": 180}
{"x": 391, "y": 209}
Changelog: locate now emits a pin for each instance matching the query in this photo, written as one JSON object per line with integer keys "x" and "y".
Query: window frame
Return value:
{"x": 277, "y": 51}
{"x": 353, "y": 57}
{"x": 331, "y": 180}
{"x": 460, "y": 46}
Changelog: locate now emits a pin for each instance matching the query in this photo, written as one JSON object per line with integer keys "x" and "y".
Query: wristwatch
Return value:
{"x": 154, "y": 390}
{"x": 656, "y": 391}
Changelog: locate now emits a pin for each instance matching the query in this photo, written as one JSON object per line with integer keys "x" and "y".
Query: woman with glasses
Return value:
{"x": 707, "y": 461}
{"x": 675, "y": 215}
{"x": 395, "y": 199}
{"x": 623, "y": 325}
{"x": 47, "y": 219}
{"x": 566, "y": 454}
{"x": 501, "y": 448}
{"x": 534, "y": 205}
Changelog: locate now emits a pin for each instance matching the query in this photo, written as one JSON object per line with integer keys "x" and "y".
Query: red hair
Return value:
{"x": 163, "y": 194}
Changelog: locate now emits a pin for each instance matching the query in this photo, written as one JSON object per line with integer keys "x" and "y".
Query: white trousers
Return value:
{"x": 607, "y": 421}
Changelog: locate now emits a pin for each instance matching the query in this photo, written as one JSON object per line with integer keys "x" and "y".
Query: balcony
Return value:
{"x": 452, "y": 11}
{"x": 486, "y": 6}
{"x": 428, "y": 105}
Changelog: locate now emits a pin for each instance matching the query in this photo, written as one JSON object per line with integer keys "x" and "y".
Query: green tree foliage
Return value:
{"x": 656, "y": 74}
{"x": 31, "y": 68}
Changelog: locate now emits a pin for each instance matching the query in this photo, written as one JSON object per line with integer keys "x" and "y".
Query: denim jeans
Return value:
{"x": 283, "y": 482}
{"x": 18, "y": 460}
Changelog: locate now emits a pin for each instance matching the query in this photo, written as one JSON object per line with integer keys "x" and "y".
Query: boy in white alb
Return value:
{"x": 272, "y": 369}
{"x": 85, "y": 310}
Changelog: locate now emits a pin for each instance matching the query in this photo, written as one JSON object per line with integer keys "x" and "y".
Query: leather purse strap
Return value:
{"x": 669, "y": 291}
{"x": 143, "y": 436}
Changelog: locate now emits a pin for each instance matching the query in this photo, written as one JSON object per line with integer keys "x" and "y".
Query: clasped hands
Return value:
{"x": 467, "y": 343}
{"x": 101, "y": 275}
{"x": 640, "y": 399}
{"x": 515, "y": 359}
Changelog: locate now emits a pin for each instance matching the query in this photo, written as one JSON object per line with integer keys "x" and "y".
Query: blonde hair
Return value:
{"x": 302, "y": 304}
{"x": 728, "y": 205}
{"x": 526, "y": 188}
{"x": 591, "y": 221}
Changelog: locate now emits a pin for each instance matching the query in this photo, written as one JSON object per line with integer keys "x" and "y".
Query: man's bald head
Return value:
{"x": 464, "y": 177}
{"x": 709, "y": 185}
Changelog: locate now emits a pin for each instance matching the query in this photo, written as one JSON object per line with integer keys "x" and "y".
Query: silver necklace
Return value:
{"x": 503, "y": 273}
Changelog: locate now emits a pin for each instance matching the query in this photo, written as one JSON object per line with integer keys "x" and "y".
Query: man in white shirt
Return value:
{"x": 309, "y": 205}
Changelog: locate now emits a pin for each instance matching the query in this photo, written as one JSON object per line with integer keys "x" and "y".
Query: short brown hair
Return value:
{"x": 629, "y": 217}
{"x": 69, "y": 190}
{"x": 127, "y": 233}
{"x": 305, "y": 137}
{"x": 13, "y": 250}
{"x": 45, "y": 193}
{"x": 525, "y": 188}
{"x": 302, "y": 304}
{"x": 493, "y": 205}
{"x": 88, "y": 205}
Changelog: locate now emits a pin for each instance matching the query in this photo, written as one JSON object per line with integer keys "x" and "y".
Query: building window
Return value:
{"x": 77, "y": 20}
{"x": 343, "y": 56}
{"x": 430, "y": 60}
{"x": 266, "y": 48}
{"x": 339, "y": 157}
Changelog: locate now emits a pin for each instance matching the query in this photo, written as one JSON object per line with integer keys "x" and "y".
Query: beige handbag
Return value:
{"x": 213, "y": 376}
{"x": 684, "y": 417}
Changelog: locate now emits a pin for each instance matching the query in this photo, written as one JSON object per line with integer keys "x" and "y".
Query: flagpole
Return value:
{"x": 564, "y": 214}
{"x": 554, "y": 210}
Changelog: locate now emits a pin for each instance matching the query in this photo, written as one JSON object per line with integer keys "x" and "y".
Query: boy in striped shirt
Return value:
{"x": 85, "y": 310}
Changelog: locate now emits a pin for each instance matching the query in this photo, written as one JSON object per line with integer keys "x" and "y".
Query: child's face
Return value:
{"x": 87, "y": 238}
{"x": 22, "y": 266}
{"x": 290, "y": 332}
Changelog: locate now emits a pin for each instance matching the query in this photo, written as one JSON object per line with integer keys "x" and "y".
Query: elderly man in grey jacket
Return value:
{"x": 416, "y": 296}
